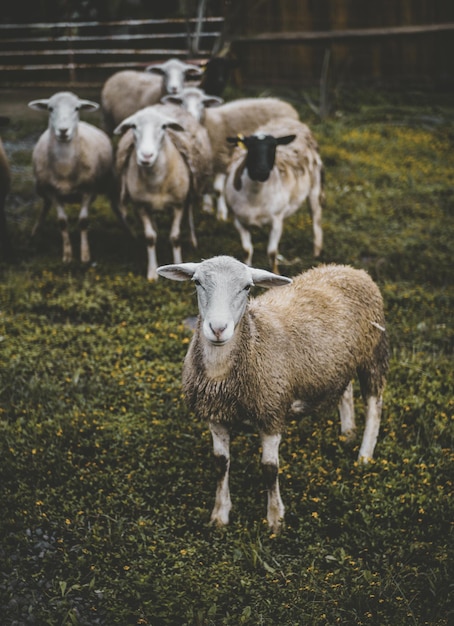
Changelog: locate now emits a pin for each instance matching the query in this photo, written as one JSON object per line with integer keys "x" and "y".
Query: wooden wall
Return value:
{"x": 427, "y": 58}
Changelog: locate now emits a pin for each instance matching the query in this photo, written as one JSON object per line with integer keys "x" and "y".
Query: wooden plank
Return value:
{"x": 334, "y": 35}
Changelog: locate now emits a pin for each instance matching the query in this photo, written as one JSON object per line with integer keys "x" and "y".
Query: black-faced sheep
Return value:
{"x": 72, "y": 162}
{"x": 243, "y": 115}
{"x": 163, "y": 163}
{"x": 127, "y": 91}
{"x": 252, "y": 359}
{"x": 271, "y": 174}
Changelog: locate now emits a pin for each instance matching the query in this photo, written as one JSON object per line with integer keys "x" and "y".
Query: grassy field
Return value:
{"x": 107, "y": 481}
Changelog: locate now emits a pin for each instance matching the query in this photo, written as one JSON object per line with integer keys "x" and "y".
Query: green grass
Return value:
{"x": 107, "y": 481}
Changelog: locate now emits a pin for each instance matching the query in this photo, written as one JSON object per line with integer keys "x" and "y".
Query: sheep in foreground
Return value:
{"x": 243, "y": 115}
{"x": 163, "y": 163}
{"x": 271, "y": 174}
{"x": 254, "y": 359}
{"x": 127, "y": 91}
{"x": 72, "y": 162}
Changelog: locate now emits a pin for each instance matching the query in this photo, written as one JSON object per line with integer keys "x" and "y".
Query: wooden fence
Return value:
{"x": 89, "y": 52}
{"x": 273, "y": 44}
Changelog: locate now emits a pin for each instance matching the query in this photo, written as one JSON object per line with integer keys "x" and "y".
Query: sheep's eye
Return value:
{"x": 197, "y": 282}
{"x": 248, "y": 288}
{"x": 50, "y": 109}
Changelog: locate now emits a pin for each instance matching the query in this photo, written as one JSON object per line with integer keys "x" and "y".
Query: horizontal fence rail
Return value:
{"x": 339, "y": 35}
{"x": 90, "y": 51}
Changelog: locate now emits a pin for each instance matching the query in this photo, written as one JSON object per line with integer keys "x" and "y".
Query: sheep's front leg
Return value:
{"x": 63, "y": 223}
{"x": 47, "y": 203}
{"x": 316, "y": 210}
{"x": 270, "y": 469}
{"x": 373, "y": 416}
{"x": 150, "y": 237}
{"x": 83, "y": 227}
{"x": 273, "y": 242}
{"x": 246, "y": 240}
{"x": 347, "y": 414}
{"x": 218, "y": 186}
{"x": 175, "y": 239}
{"x": 221, "y": 450}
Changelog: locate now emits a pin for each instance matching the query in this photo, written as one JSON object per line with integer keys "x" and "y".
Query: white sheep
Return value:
{"x": 163, "y": 162}
{"x": 251, "y": 360}
{"x": 72, "y": 162}
{"x": 243, "y": 115}
{"x": 127, "y": 91}
{"x": 271, "y": 174}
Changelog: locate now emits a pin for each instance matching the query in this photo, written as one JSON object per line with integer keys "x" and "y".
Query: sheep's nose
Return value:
{"x": 218, "y": 330}
{"x": 146, "y": 158}
{"x": 63, "y": 133}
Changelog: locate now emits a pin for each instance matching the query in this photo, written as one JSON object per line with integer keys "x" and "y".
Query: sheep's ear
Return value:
{"x": 172, "y": 99}
{"x": 237, "y": 141}
{"x": 283, "y": 141}
{"x": 88, "y": 105}
{"x": 193, "y": 73}
{"x": 155, "y": 69}
{"x": 39, "y": 105}
{"x": 182, "y": 271}
{"x": 124, "y": 126}
{"x": 212, "y": 101}
{"x": 263, "y": 278}
{"x": 174, "y": 126}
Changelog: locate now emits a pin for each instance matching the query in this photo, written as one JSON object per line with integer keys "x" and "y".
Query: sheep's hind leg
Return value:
{"x": 175, "y": 235}
{"x": 270, "y": 468}
{"x": 347, "y": 414}
{"x": 273, "y": 242}
{"x": 373, "y": 416}
{"x": 221, "y": 450}
{"x": 246, "y": 240}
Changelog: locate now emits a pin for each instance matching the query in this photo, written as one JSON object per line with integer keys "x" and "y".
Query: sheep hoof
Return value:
{"x": 349, "y": 436}
{"x": 276, "y": 527}
{"x": 218, "y": 522}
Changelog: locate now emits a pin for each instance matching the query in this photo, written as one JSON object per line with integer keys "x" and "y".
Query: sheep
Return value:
{"x": 127, "y": 91}
{"x": 163, "y": 162}
{"x": 271, "y": 174}
{"x": 252, "y": 359}
{"x": 5, "y": 185}
{"x": 72, "y": 162}
{"x": 224, "y": 120}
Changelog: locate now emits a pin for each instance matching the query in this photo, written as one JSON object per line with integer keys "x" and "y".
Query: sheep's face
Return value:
{"x": 194, "y": 101}
{"x": 222, "y": 297}
{"x": 223, "y": 286}
{"x": 148, "y": 138}
{"x": 261, "y": 154}
{"x": 174, "y": 72}
{"x": 149, "y": 129}
{"x": 63, "y": 108}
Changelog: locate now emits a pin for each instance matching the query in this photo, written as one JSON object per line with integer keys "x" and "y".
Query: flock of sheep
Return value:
{"x": 177, "y": 153}
{"x": 296, "y": 348}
